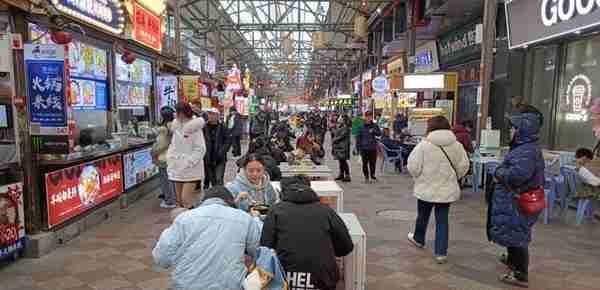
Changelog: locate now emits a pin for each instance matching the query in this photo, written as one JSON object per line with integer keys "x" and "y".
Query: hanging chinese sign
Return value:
{"x": 146, "y": 27}
{"x": 167, "y": 91}
{"x": 12, "y": 219}
{"x": 104, "y": 14}
{"x": 234, "y": 80}
{"x": 189, "y": 88}
{"x": 247, "y": 80}
{"x": 75, "y": 190}
{"x": 45, "y": 67}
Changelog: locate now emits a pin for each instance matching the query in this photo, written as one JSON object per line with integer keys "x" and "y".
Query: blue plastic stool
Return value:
{"x": 584, "y": 206}
{"x": 550, "y": 194}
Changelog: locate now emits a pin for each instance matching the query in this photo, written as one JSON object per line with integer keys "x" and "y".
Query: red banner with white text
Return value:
{"x": 75, "y": 190}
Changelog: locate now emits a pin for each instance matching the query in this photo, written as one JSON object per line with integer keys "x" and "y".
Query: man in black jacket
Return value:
{"x": 259, "y": 124}
{"x": 307, "y": 236}
{"x": 366, "y": 142}
{"x": 234, "y": 131}
{"x": 217, "y": 146}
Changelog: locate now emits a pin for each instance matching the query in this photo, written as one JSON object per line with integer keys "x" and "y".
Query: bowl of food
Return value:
{"x": 263, "y": 209}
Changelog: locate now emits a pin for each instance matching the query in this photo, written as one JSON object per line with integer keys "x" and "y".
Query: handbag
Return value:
{"x": 531, "y": 202}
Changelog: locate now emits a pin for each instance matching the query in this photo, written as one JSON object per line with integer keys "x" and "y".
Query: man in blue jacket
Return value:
{"x": 367, "y": 146}
{"x": 206, "y": 246}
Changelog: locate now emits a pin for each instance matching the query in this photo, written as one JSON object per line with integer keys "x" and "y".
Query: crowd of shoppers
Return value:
{"x": 192, "y": 147}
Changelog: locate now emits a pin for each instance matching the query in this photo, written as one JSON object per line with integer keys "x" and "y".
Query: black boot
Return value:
{"x": 340, "y": 177}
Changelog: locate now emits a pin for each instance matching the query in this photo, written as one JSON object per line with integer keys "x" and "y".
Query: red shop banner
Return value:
{"x": 12, "y": 220}
{"x": 75, "y": 190}
{"x": 146, "y": 27}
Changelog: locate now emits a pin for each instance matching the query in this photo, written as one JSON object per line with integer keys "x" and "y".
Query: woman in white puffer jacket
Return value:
{"x": 185, "y": 157}
{"x": 436, "y": 164}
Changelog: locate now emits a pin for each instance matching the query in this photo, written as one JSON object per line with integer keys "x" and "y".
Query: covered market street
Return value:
{"x": 117, "y": 253}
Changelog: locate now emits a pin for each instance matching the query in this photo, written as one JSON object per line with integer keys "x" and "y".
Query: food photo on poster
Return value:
{"x": 134, "y": 82}
{"x": 75, "y": 190}
{"x": 138, "y": 167}
{"x": 12, "y": 220}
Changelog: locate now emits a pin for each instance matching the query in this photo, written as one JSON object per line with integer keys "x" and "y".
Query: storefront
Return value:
{"x": 12, "y": 214}
{"x": 460, "y": 52}
{"x": 89, "y": 100}
{"x": 562, "y": 67}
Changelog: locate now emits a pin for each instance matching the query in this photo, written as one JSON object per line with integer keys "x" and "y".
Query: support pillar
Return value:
{"x": 487, "y": 62}
{"x": 412, "y": 36}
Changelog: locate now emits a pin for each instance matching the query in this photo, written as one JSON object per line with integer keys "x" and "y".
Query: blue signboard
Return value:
{"x": 45, "y": 88}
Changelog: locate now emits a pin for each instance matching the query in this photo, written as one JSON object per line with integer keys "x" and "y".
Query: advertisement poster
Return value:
{"x": 211, "y": 64}
{"x": 146, "y": 27}
{"x": 75, "y": 190}
{"x": 206, "y": 102}
{"x": 189, "y": 88}
{"x": 45, "y": 67}
{"x": 167, "y": 91}
{"x": 138, "y": 167}
{"x": 12, "y": 219}
{"x": 234, "y": 80}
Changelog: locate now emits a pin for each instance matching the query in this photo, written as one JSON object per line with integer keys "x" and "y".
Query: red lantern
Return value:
{"x": 128, "y": 57}
{"x": 61, "y": 37}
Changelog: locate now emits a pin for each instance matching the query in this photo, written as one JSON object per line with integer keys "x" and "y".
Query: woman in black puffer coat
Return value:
{"x": 341, "y": 147}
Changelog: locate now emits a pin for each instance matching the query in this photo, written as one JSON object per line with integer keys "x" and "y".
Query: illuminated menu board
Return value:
{"x": 134, "y": 83}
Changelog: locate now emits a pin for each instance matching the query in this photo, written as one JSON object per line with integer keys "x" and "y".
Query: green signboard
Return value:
{"x": 459, "y": 46}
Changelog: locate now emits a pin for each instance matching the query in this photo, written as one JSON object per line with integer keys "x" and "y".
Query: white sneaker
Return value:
{"x": 441, "y": 259}
{"x": 163, "y": 204}
{"x": 411, "y": 239}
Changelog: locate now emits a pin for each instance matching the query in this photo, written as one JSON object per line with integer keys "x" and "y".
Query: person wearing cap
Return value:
{"x": 217, "y": 146}
{"x": 206, "y": 247}
{"x": 234, "y": 131}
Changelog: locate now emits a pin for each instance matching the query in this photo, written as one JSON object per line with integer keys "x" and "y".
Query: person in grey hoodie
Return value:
{"x": 252, "y": 185}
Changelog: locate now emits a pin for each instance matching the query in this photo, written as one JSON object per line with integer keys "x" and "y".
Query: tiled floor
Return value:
{"x": 117, "y": 254}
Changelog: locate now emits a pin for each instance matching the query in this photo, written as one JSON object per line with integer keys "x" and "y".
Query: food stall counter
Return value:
{"x": 68, "y": 159}
{"x": 77, "y": 183}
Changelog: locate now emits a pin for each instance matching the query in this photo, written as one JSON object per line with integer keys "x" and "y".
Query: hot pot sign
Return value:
{"x": 75, "y": 190}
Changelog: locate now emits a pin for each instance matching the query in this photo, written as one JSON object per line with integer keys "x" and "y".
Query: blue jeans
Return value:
{"x": 441, "y": 225}
{"x": 167, "y": 187}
